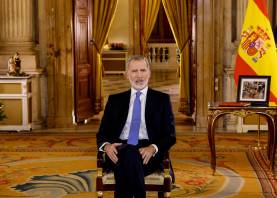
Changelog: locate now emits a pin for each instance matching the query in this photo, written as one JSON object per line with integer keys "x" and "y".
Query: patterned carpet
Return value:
{"x": 268, "y": 181}
{"x": 44, "y": 165}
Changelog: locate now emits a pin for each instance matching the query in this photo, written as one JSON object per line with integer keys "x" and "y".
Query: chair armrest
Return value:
{"x": 166, "y": 160}
{"x": 168, "y": 169}
{"x": 100, "y": 159}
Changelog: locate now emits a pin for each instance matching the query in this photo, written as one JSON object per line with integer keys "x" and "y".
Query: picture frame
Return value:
{"x": 254, "y": 89}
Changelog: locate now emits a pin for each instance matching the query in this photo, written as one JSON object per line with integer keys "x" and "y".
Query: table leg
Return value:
{"x": 270, "y": 138}
{"x": 212, "y": 142}
{"x": 274, "y": 142}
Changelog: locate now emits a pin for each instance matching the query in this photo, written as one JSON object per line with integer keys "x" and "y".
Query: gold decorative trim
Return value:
{"x": 242, "y": 112}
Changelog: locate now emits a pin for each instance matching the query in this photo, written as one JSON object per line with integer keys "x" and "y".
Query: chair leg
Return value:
{"x": 100, "y": 194}
{"x": 163, "y": 194}
{"x": 160, "y": 194}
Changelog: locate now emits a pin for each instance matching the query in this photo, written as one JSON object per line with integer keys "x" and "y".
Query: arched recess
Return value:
{"x": 193, "y": 79}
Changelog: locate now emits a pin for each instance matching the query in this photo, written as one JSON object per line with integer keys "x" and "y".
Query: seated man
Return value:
{"x": 136, "y": 130}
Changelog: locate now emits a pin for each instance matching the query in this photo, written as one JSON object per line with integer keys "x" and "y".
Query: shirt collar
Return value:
{"x": 143, "y": 91}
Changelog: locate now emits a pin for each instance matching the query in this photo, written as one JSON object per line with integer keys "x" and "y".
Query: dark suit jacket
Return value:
{"x": 158, "y": 117}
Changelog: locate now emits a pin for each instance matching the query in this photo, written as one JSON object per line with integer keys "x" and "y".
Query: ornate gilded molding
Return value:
{"x": 272, "y": 111}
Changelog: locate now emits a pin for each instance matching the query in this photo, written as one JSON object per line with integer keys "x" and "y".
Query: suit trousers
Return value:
{"x": 130, "y": 171}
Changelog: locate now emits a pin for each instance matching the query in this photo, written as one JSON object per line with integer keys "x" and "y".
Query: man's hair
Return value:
{"x": 137, "y": 58}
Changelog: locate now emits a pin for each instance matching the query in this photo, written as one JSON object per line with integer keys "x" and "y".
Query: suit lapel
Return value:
{"x": 148, "y": 106}
{"x": 125, "y": 100}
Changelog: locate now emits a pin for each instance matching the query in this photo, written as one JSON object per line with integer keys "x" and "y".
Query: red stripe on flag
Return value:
{"x": 262, "y": 5}
{"x": 272, "y": 98}
{"x": 242, "y": 68}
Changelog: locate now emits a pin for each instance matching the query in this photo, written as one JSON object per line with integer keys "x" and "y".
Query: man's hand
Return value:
{"x": 147, "y": 153}
{"x": 111, "y": 151}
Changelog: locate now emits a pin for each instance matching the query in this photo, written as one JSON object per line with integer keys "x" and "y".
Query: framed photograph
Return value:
{"x": 254, "y": 89}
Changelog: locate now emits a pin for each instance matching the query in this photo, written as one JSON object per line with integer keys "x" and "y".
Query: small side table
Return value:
{"x": 215, "y": 112}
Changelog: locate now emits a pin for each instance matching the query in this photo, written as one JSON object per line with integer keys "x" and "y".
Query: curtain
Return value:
{"x": 103, "y": 12}
{"x": 149, "y": 13}
{"x": 178, "y": 13}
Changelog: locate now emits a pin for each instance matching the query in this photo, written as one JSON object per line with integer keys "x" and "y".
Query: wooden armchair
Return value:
{"x": 158, "y": 181}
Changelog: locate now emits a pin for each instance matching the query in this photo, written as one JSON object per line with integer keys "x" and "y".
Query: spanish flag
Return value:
{"x": 257, "y": 52}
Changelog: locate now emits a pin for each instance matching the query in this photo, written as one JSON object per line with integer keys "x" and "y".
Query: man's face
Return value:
{"x": 138, "y": 74}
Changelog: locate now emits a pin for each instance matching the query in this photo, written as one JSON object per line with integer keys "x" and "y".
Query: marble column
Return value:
{"x": 229, "y": 121}
{"x": 240, "y": 10}
{"x": 60, "y": 72}
{"x": 205, "y": 60}
{"x": 18, "y": 33}
{"x": 230, "y": 53}
{"x": 17, "y": 21}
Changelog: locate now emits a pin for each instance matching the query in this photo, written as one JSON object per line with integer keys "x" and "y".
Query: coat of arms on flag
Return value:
{"x": 255, "y": 42}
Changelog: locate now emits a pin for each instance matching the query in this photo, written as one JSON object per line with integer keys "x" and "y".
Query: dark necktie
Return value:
{"x": 135, "y": 123}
